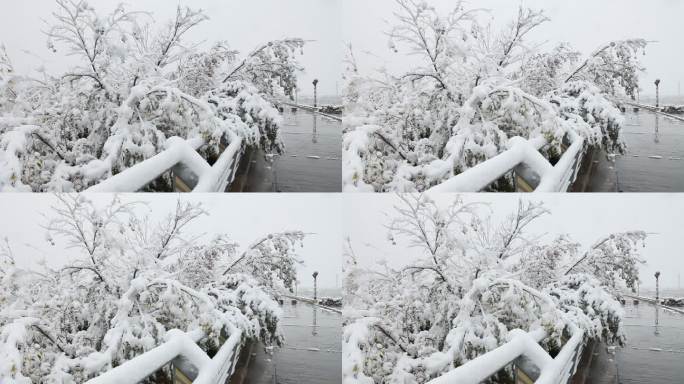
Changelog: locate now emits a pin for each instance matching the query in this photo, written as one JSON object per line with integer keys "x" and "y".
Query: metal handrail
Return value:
{"x": 653, "y": 109}
{"x": 214, "y": 178}
{"x": 552, "y": 370}
{"x": 564, "y": 365}
{"x": 312, "y": 109}
{"x": 521, "y": 152}
{"x": 654, "y": 302}
{"x": 222, "y": 173}
{"x": 178, "y": 344}
{"x": 222, "y": 366}
{"x": 313, "y": 302}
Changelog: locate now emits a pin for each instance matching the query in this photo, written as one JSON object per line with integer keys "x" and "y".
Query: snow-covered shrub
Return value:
{"x": 137, "y": 86}
{"x": 586, "y": 302}
{"x": 128, "y": 282}
{"x": 591, "y": 113}
{"x": 473, "y": 89}
{"x": 472, "y": 283}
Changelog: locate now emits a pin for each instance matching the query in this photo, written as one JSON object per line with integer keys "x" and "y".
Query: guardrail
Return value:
{"x": 313, "y": 302}
{"x": 531, "y": 167}
{"x": 310, "y": 108}
{"x": 653, "y": 109}
{"x": 191, "y": 171}
{"x": 179, "y": 344}
{"x": 654, "y": 302}
{"x": 522, "y": 344}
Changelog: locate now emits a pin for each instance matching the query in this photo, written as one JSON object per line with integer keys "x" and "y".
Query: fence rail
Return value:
{"x": 654, "y": 302}
{"x": 522, "y": 344}
{"x": 523, "y": 155}
{"x": 181, "y": 154}
{"x": 310, "y": 108}
{"x": 313, "y": 302}
{"x": 653, "y": 109}
{"x": 179, "y": 344}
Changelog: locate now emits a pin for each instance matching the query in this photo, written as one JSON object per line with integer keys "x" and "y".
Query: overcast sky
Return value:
{"x": 585, "y": 217}
{"x": 244, "y": 217}
{"x": 244, "y": 24}
{"x": 585, "y": 24}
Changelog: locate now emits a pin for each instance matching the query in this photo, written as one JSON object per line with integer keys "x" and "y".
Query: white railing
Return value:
{"x": 178, "y": 151}
{"x": 552, "y": 370}
{"x": 179, "y": 344}
{"x": 521, "y": 152}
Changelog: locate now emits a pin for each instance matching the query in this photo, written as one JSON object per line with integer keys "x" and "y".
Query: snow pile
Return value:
{"x": 129, "y": 283}
{"x": 473, "y": 283}
{"x": 137, "y": 86}
{"x": 355, "y": 351}
{"x": 474, "y": 90}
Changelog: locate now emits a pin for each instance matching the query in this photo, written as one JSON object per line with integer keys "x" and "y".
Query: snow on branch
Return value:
{"x": 614, "y": 67}
{"x": 136, "y": 86}
{"x": 186, "y": 19}
{"x": 472, "y": 282}
{"x": 475, "y": 88}
{"x": 128, "y": 282}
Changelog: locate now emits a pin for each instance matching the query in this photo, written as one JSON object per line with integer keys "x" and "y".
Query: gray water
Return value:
{"x": 311, "y": 161}
{"x": 654, "y": 161}
{"x": 653, "y": 354}
{"x": 311, "y": 353}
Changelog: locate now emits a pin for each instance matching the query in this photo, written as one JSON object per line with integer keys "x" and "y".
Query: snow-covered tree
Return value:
{"x": 127, "y": 281}
{"x": 7, "y": 92}
{"x": 471, "y": 282}
{"x": 138, "y": 83}
{"x": 474, "y": 88}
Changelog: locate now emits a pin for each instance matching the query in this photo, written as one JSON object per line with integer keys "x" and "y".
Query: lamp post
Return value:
{"x": 314, "y": 329}
{"x": 657, "y": 84}
{"x": 657, "y": 304}
{"x": 315, "y": 84}
{"x": 315, "y": 276}
{"x": 657, "y": 275}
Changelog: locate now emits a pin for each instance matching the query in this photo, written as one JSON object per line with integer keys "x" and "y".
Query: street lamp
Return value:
{"x": 315, "y": 276}
{"x": 657, "y": 275}
{"x": 314, "y": 329}
{"x": 657, "y": 303}
{"x": 315, "y": 84}
{"x": 657, "y": 84}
